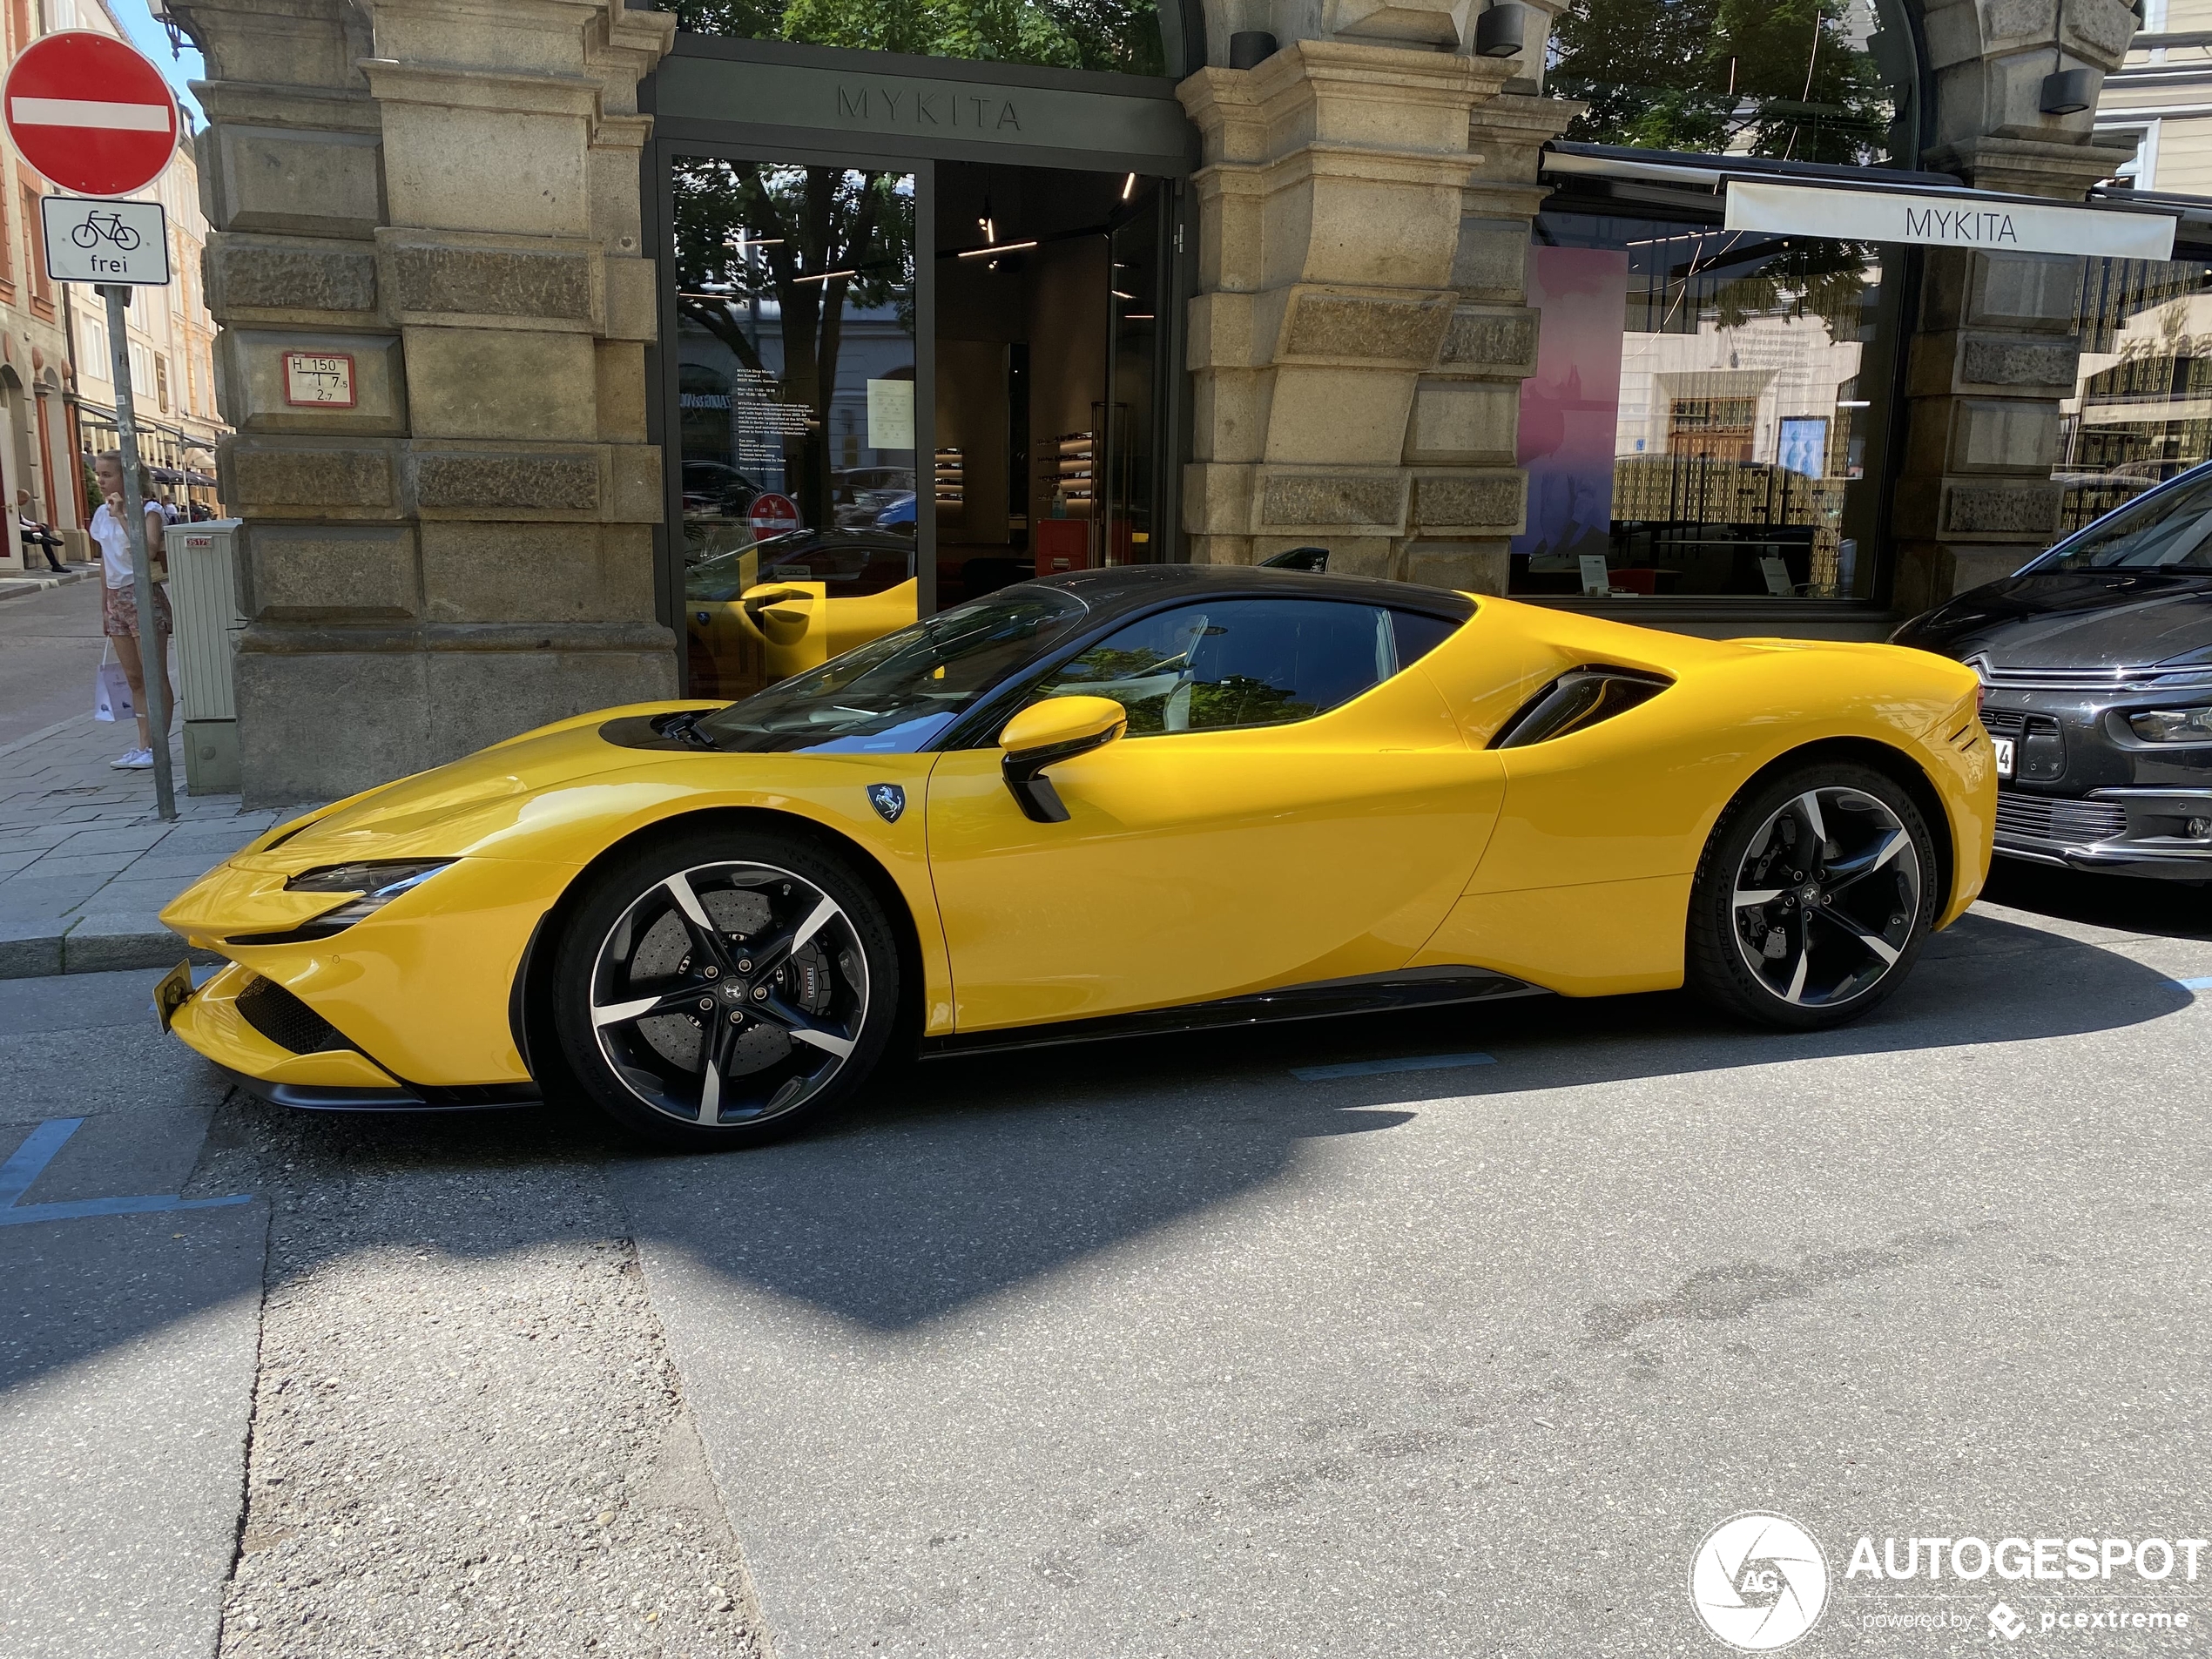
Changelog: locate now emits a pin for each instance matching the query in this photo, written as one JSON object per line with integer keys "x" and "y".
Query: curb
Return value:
{"x": 104, "y": 952}
{"x": 27, "y": 584}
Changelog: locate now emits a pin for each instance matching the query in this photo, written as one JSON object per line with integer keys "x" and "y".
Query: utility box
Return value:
{"x": 203, "y": 595}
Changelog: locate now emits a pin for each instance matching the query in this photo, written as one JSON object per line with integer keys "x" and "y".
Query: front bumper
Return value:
{"x": 276, "y": 1048}
{"x": 421, "y": 993}
{"x": 2124, "y": 831}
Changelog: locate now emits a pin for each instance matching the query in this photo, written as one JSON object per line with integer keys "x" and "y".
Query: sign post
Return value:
{"x": 94, "y": 115}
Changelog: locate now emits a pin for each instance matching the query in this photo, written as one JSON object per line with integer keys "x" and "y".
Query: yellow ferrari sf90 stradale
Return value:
{"x": 1135, "y": 799}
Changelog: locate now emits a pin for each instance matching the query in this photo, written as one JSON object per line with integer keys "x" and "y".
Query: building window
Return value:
{"x": 141, "y": 370}
{"x": 93, "y": 348}
{"x": 34, "y": 226}
{"x": 2141, "y": 408}
{"x": 1121, "y": 35}
{"x": 1707, "y": 413}
{"x": 161, "y": 380}
{"x": 2139, "y": 171}
{"x": 1710, "y": 77}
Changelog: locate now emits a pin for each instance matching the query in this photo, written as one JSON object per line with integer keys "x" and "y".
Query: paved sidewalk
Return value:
{"x": 25, "y": 584}
{"x": 86, "y": 862}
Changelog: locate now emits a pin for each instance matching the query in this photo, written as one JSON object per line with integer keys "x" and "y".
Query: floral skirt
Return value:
{"x": 119, "y": 613}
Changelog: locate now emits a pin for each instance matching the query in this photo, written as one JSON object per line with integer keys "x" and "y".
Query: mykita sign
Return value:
{"x": 2000, "y": 223}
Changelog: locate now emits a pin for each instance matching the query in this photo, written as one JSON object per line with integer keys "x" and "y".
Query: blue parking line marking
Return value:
{"x": 28, "y": 1161}
{"x": 2202, "y": 983}
{"x": 1377, "y": 1068}
{"x": 22, "y": 1215}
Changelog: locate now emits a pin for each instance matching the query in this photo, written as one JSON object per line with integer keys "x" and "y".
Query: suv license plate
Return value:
{"x": 2004, "y": 748}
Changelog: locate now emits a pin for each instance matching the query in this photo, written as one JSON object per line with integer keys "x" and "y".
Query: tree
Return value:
{"x": 754, "y": 230}
{"x": 1121, "y": 35}
{"x": 1774, "y": 77}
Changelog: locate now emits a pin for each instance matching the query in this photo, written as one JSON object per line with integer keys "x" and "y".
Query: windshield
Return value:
{"x": 897, "y": 694}
{"x": 2167, "y": 531}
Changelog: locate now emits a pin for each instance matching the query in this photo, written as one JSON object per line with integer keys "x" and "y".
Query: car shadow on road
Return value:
{"x": 2132, "y": 904}
{"x": 970, "y": 1177}
{"x": 963, "y": 1179}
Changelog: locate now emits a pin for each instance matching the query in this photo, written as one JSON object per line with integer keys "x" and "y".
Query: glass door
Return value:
{"x": 805, "y": 522}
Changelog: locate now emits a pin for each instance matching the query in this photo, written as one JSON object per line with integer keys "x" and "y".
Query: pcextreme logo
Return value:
{"x": 1758, "y": 1581}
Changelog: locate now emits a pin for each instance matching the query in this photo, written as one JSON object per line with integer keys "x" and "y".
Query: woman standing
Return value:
{"x": 119, "y": 615}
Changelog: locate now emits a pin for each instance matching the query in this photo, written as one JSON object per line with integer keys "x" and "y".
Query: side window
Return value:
{"x": 1231, "y": 663}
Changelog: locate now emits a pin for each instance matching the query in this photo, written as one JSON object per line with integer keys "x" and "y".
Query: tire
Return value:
{"x": 765, "y": 940}
{"x": 1828, "y": 933}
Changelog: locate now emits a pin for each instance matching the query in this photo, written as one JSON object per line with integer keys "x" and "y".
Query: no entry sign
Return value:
{"x": 772, "y": 515}
{"x": 91, "y": 113}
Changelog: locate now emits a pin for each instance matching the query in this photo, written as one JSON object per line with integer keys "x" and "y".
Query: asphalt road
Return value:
{"x": 1160, "y": 1348}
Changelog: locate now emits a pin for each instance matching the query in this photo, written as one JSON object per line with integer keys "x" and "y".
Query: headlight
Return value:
{"x": 378, "y": 885}
{"x": 2173, "y": 725}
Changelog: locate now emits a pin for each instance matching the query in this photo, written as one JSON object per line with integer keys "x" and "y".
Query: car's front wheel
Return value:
{"x": 723, "y": 988}
{"x": 1813, "y": 899}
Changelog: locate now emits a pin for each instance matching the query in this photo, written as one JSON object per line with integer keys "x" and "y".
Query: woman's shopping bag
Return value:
{"x": 111, "y": 696}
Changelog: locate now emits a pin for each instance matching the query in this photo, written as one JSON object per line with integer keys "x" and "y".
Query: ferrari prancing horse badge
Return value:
{"x": 887, "y": 799}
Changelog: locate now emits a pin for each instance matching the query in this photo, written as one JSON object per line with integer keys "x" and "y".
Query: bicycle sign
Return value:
{"x": 105, "y": 227}
{"x": 92, "y": 241}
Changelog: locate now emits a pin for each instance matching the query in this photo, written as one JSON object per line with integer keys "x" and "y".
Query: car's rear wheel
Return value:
{"x": 724, "y": 988}
{"x": 1813, "y": 899}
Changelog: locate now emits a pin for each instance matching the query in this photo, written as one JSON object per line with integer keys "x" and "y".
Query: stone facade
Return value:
{"x": 447, "y": 191}
{"x": 1361, "y": 334}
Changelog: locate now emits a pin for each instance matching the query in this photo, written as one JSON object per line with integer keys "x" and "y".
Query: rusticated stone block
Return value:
{"x": 1470, "y": 567}
{"x": 296, "y": 571}
{"x": 1502, "y": 340}
{"x": 1988, "y": 360}
{"x": 264, "y": 478}
{"x": 2028, "y": 508}
{"x": 307, "y": 183}
{"x": 1364, "y": 329}
{"x": 261, "y": 277}
{"x": 493, "y": 282}
{"x": 1491, "y": 256}
{"x": 1323, "y": 498}
{"x": 1493, "y": 502}
{"x": 559, "y": 483}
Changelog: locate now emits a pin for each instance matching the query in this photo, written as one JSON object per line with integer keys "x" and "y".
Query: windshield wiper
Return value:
{"x": 684, "y": 726}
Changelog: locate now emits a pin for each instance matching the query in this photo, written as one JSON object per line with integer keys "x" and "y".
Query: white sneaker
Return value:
{"x": 136, "y": 760}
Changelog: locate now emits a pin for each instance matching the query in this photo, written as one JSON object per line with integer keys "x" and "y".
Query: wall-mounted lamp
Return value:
{"x": 2069, "y": 91}
{"x": 1250, "y": 48}
{"x": 1500, "y": 30}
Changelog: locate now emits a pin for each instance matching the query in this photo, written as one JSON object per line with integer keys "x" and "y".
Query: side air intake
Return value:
{"x": 1578, "y": 699}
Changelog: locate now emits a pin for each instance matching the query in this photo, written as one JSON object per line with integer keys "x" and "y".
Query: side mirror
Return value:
{"x": 1060, "y": 728}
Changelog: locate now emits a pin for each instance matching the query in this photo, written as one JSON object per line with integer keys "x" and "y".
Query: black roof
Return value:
{"x": 1138, "y": 587}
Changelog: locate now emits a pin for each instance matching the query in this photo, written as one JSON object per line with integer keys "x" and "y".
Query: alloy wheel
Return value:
{"x": 729, "y": 993}
{"x": 1827, "y": 897}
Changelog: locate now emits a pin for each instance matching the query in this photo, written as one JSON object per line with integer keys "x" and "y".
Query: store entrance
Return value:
{"x": 1047, "y": 428}
{"x": 901, "y": 385}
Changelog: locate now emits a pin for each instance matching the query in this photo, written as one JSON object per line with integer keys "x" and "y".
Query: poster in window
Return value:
{"x": 1804, "y": 445}
{"x": 1570, "y": 406}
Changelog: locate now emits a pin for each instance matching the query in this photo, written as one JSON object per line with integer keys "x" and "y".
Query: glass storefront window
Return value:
{"x": 2141, "y": 408}
{"x": 1706, "y": 413}
{"x": 1801, "y": 80}
{"x": 1113, "y": 35}
{"x": 795, "y": 393}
